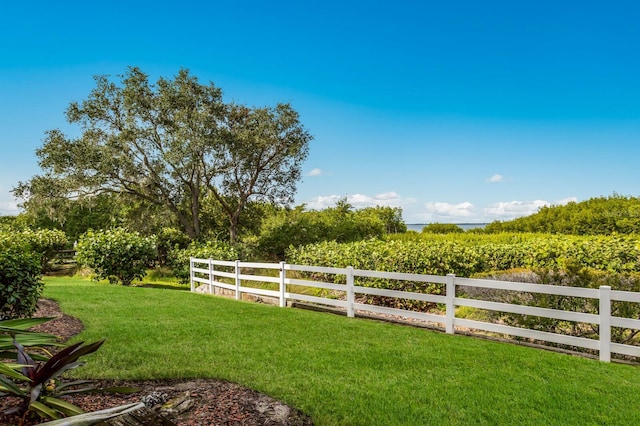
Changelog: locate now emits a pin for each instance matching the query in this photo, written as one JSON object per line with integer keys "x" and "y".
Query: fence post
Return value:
{"x": 605, "y": 323}
{"x": 451, "y": 310}
{"x": 238, "y": 294}
{"x": 350, "y": 293}
{"x": 210, "y": 276}
{"x": 283, "y": 287}
{"x": 191, "y": 274}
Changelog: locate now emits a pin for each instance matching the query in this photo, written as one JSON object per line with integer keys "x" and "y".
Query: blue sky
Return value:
{"x": 459, "y": 111}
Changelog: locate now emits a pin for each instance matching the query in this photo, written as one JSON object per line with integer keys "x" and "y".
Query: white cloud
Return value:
{"x": 447, "y": 212}
{"x": 9, "y": 208}
{"x": 443, "y": 212}
{"x": 566, "y": 201}
{"x": 511, "y": 209}
{"x": 390, "y": 199}
{"x": 322, "y": 202}
{"x": 315, "y": 172}
{"x": 495, "y": 178}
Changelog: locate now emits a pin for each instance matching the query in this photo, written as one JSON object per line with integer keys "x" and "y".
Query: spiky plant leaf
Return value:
{"x": 65, "y": 385}
{"x": 11, "y": 370}
{"x": 7, "y": 386}
{"x": 43, "y": 411}
{"x": 23, "y": 358}
{"x": 21, "y": 324}
{"x": 64, "y": 360}
{"x": 62, "y": 406}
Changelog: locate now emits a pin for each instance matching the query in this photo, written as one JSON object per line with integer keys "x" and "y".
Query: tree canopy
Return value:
{"x": 595, "y": 216}
{"x": 171, "y": 144}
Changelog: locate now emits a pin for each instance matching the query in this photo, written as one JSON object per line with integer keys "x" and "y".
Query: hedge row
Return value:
{"x": 468, "y": 255}
{"x": 588, "y": 261}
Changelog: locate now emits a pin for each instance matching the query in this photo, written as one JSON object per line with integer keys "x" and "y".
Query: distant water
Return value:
{"x": 418, "y": 226}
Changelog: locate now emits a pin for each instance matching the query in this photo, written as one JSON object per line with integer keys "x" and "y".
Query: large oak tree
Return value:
{"x": 171, "y": 144}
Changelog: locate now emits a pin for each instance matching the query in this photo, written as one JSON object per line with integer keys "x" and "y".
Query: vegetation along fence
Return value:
{"x": 293, "y": 283}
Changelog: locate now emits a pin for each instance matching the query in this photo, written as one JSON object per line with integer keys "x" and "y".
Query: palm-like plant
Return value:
{"x": 35, "y": 378}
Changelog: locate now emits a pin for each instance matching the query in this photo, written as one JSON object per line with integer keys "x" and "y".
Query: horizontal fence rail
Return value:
{"x": 341, "y": 293}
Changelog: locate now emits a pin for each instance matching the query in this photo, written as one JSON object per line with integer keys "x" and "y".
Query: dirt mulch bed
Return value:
{"x": 213, "y": 402}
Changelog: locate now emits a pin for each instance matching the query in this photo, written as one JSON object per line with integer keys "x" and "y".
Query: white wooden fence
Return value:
{"x": 204, "y": 271}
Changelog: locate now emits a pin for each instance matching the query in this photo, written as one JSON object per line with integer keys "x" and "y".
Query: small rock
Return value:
{"x": 154, "y": 398}
{"x": 178, "y": 405}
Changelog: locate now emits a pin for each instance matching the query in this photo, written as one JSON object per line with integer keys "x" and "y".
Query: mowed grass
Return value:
{"x": 342, "y": 371}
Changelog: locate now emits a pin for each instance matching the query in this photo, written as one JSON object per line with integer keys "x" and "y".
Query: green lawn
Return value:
{"x": 342, "y": 371}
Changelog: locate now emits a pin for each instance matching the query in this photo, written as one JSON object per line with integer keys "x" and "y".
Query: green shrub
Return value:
{"x": 571, "y": 275}
{"x": 297, "y": 227}
{"x": 442, "y": 228}
{"x": 218, "y": 250}
{"x": 469, "y": 254}
{"x": 46, "y": 243}
{"x": 419, "y": 257}
{"x": 35, "y": 379}
{"x": 394, "y": 256}
{"x": 169, "y": 239}
{"x": 117, "y": 255}
{"x": 596, "y": 216}
{"x": 20, "y": 283}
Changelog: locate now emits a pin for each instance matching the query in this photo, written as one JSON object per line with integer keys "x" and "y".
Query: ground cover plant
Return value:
{"x": 340, "y": 370}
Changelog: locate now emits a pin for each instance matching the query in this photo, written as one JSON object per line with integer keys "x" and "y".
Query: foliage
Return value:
{"x": 18, "y": 330}
{"x": 8, "y": 223}
{"x": 469, "y": 254}
{"x": 169, "y": 145}
{"x": 36, "y": 379}
{"x": 215, "y": 222}
{"x": 45, "y": 242}
{"x": 571, "y": 275}
{"x": 24, "y": 254}
{"x": 442, "y": 228}
{"x": 262, "y": 152}
{"x": 117, "y": 255}
{"x": 398, "y": 256}
{"x": 169, "y": 239}
{"x": 219, "y": 250}
{"x": 39, "y": 386}
{"x": 391, "y": 217}
{"x": 20, "y": 283}
{"x": 596, "y": 216}
{"x": 341, "y": 223}
{"x": 103, "y": 211}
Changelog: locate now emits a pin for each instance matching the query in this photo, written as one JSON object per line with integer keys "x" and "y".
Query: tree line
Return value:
{"x": 595, "y": 216}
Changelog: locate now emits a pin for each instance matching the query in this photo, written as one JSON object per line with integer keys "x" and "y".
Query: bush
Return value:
{"x": 46, "y": 243}
{"x": 218, "y": 250}
{"x": 117, "y": 255}
{"x": 571, "y": 275}
{"x": 442, "y": 228}
{"x": 169, "y": 239}
{"x": 469, "y": 254}
{"x": 297, "y": 227}
{"x": 20, "y": 284}
{"x": 596, "y": 216}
